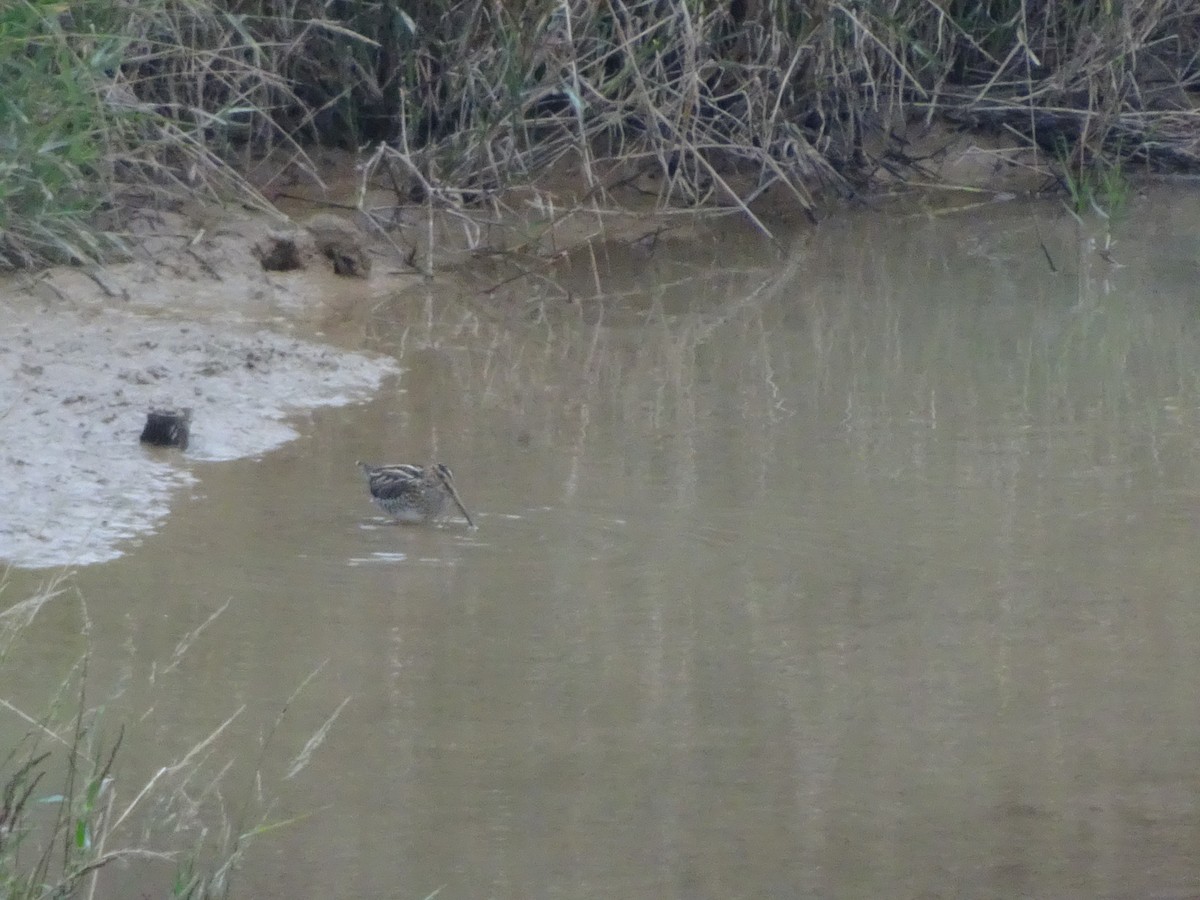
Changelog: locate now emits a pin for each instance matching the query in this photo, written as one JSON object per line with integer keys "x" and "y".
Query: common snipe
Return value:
{"x": 413, "y": 493}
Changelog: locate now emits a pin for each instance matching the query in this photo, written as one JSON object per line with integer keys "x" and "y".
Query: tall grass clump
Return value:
{"x": 53, "y": 123}
{"x": 1101, "y": 186}
{"x": 801, "y": 95}
{"x": 73, "y": 822}
{"x": 111, "y": 107}
{"x": 457, "y": 101}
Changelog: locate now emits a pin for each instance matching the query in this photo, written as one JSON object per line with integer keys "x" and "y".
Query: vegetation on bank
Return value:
{"x": 453, "y": 101}
{"x": 73, "y": 821}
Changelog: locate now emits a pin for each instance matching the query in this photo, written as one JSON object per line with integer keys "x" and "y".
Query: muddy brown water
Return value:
{"x": 863, "y": 569}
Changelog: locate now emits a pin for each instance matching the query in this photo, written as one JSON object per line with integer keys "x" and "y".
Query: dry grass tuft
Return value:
{"x": 458, "y": 101}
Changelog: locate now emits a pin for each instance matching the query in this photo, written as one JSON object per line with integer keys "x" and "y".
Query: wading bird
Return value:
{"x": 413, "y": 493}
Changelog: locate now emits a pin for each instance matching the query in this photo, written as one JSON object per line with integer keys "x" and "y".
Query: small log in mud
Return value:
{"x": 340, "y": 241}
{"x": 167, "y": 428}
{"x": 279, "y": 252}
{"x": 337, "y": 239}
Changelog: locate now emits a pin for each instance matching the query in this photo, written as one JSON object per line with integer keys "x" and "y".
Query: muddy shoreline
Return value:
{"x": 76, "y": 487}
{"x": 85, "y": 354}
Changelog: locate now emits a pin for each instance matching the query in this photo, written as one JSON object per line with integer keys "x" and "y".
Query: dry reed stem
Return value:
{"x": 472, "y": 98}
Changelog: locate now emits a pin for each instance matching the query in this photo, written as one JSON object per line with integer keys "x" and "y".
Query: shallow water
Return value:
{"x": 864, "y": 569}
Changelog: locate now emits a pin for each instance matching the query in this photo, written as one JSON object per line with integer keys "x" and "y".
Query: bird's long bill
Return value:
{"x": 458, "y": 500}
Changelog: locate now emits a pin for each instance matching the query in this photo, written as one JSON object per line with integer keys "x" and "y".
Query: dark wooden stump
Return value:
{"x": 342, "y": 243}
{"x": 167, "y": 428}
{"x": 279, "y": 252}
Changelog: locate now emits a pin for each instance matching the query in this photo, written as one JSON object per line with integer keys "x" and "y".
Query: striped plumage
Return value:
{"x": 410, "y": 493}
